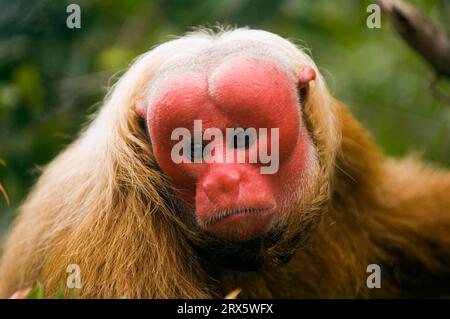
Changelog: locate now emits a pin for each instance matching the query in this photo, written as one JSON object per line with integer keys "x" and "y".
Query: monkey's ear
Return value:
{"x": 306, "y": 75}
{"x": 140, "y": 107}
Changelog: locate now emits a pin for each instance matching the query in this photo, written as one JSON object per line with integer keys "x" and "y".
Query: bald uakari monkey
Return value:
{"x": 149, "y": 202}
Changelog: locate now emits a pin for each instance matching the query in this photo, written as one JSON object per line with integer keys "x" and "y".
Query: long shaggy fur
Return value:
{"x": 105, "y": 205}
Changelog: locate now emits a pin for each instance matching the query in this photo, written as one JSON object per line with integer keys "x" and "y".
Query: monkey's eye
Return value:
{"x": 195, "y": 151}
{"x": 243, "y": 138}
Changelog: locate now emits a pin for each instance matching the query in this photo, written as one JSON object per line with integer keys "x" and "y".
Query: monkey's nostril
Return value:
{"x": 221, "y": 184}
{"x": 224, "y": 177}
{"x": 231, "y": 176}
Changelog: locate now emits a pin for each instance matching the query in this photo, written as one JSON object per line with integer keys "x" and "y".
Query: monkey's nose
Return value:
{"x": 222, "y": 185}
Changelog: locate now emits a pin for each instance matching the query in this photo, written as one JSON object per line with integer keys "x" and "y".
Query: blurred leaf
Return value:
{"x": 27, "y": 78}
{"x": 9, "y": 96}
{"x": 114, "y": 58}
{"x": 37, "y": 292}
{"x": 61, "y": 294}
{"x": 5, "y": 195}
{"x": 73, "y": 293}
{"x": 233, "y": 294}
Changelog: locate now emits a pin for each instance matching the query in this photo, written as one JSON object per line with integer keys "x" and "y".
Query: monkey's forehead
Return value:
{"x": 200, "y": 63}
{"x": 208, "y": 57}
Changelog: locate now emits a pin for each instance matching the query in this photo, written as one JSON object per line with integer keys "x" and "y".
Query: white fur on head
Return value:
{"x": 142, "y": 78}
{"x": 109, "y": 135}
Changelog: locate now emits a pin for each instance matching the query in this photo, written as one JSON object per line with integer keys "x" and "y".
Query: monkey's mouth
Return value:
{"x": 239, "y": 224}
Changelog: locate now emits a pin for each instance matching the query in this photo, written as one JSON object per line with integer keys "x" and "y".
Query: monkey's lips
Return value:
{"x": 239, "y": 224}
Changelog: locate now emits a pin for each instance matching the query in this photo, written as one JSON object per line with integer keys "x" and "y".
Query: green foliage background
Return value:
{"x": 52, "y": 77}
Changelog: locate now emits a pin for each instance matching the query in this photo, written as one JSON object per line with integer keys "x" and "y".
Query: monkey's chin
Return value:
{"x": 240, "y": 224}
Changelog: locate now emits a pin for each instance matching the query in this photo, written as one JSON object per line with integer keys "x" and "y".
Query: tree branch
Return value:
{"x": 428, "y": 39}
{"x": 5, "y": 195}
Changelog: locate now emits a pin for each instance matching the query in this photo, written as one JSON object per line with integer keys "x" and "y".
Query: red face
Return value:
{"x": 234, "y": 201}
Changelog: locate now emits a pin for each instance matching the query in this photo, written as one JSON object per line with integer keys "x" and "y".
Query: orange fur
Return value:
{"x": 104, "y": 204}
{"x": 392, "y": 213}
